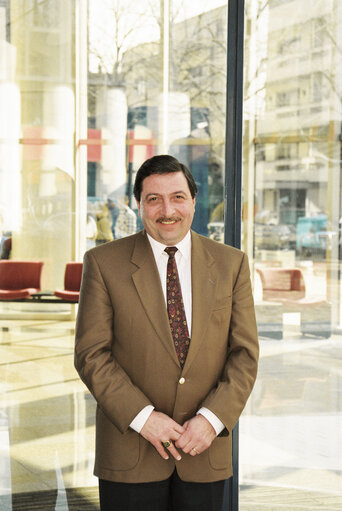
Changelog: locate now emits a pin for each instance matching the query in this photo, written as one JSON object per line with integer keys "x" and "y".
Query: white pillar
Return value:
{"x": 113, "y": 120}
{"x": 10, "y": 150}
{"x": 59, "y": 125}
{"x": 10, "y": 156}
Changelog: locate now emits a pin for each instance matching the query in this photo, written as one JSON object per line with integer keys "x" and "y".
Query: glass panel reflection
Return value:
{"x": 37, "y": 124}
{"x": 68, "y": 156}
{"x": 290, "y": 432}
{"x": 156, "y": 85}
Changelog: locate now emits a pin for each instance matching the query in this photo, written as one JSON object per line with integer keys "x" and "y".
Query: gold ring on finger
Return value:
{"x": 195, "y": 450}
{"x": 166, "y": 444}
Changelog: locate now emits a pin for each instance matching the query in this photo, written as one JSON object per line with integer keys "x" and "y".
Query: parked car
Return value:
{"x": 313, "y": 235}
{"x": 274, "y": 237}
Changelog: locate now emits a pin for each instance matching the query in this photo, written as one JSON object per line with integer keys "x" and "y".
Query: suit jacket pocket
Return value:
{"x": 114, "y": 450}
{"x": 220, "y": 453}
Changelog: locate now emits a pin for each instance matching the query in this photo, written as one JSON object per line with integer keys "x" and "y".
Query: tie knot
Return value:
{"x": 171, "y": 251}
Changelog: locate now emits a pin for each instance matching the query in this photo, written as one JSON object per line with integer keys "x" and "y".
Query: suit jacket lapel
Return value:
{"x": 203, "y": 276}
{"x": 147, "y": 282}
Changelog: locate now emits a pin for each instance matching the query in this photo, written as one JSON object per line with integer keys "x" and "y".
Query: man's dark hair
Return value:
{"x": 162, "y": 164}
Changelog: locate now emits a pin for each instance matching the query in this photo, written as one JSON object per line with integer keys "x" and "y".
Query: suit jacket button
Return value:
{"x": 181, "y": 381}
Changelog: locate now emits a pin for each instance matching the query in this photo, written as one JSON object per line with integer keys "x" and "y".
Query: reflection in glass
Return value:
{"x": 292, "y": 233}
{"x": 71, "y": 140}
{"x": 37, "y": 128}
{"x": 156, "y": 85}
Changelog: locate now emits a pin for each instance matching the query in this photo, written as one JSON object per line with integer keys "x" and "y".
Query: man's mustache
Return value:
{"x": 171, "y": 219}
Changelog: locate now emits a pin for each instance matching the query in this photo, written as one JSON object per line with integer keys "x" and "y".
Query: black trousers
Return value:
{"x": 173, "y": 494}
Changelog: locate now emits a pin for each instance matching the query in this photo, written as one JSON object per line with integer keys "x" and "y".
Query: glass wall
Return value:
{"x": 156, "y": 85}
{"x": 88, "y": 91}
{"x": 291, "y": 434}
{"x": 37, "y": 126}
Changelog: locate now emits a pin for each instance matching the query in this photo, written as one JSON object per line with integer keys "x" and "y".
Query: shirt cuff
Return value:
{"x": 140, "y": 419}
{"x": 213, "y": 419}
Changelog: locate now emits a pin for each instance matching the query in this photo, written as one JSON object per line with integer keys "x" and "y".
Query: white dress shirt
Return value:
{"x": 183, "y": 261}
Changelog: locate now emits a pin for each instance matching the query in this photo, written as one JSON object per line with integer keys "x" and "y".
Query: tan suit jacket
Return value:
{"x": 125, "y": 354}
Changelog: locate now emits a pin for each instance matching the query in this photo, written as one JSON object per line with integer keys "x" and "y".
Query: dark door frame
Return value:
{"x": 233, "y": 173}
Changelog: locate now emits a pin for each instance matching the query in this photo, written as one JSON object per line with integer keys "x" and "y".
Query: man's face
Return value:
{"x": 166, "y": 207}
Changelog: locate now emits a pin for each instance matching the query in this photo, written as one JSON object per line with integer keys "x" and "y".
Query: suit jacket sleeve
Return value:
{"x": 113, "y": 390}
{"x": 230, "y": 395}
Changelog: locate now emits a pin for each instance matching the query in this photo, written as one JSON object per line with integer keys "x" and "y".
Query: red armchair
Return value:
{"x": 19, "y": 279}
{"x": 72, "y": 282}
{"x": 282, "y": 284}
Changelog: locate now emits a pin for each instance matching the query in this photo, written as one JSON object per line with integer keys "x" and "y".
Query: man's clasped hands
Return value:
{"x": 169, "y": 437}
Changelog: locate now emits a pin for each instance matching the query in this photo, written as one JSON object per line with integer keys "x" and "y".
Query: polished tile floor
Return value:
{"x": 291, "y": 430}
{"x": 46, "y": 417}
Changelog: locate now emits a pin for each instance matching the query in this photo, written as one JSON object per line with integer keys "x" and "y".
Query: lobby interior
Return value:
{"x": 81, "y": 106}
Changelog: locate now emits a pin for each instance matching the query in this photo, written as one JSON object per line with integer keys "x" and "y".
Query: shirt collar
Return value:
{"x": 184, "y": 246}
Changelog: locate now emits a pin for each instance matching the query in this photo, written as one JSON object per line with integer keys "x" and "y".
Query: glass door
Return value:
{"x": 290, "y": 433}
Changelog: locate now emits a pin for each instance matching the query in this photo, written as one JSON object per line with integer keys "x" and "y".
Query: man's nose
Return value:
{"x": 167, "y": 208}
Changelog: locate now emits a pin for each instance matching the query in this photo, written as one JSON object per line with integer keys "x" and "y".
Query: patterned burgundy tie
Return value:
{"x": 175, "y": 307}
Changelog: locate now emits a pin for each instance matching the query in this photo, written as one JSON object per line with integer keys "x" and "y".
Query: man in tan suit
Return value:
{"x": 164, "y": 413}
